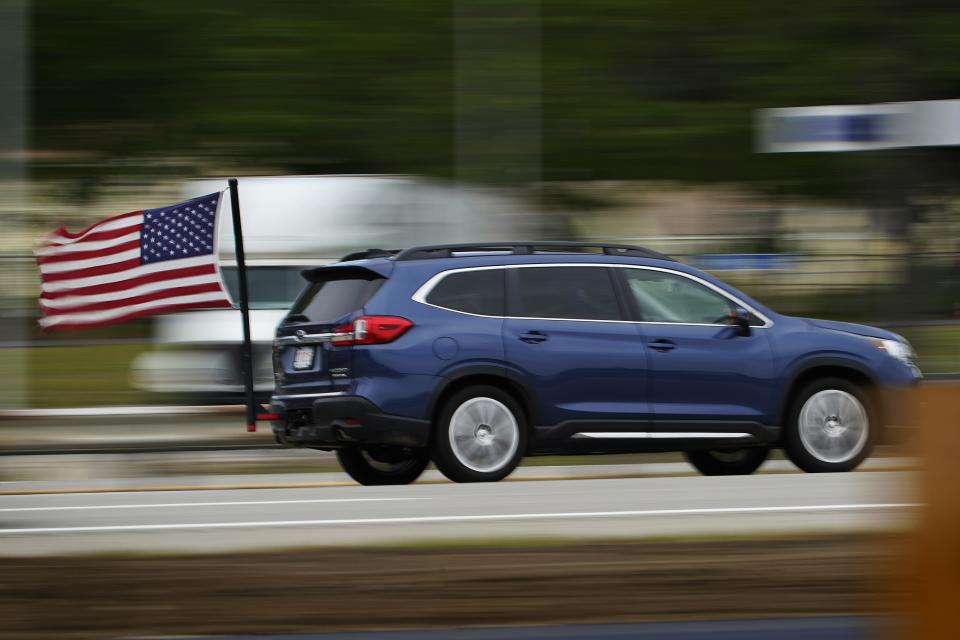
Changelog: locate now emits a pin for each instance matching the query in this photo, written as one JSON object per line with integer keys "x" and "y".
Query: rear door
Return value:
{"x": 567, "y": 333}
{"x": 306, "y": 362}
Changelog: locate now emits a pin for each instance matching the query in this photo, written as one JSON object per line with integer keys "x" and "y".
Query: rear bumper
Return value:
{"x": 335, "y": 422}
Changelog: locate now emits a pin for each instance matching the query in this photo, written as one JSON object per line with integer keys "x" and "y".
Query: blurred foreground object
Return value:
{"x": 931, "y": 568}
{"x": 132, "y": 265}
{"x": 292, "y": 223}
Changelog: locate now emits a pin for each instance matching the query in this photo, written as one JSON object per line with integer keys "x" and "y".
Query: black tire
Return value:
{"x": 734, "y": 462}
{"x": 804, "y": 455}
{"x": 383, "y": 466}
{"x": 509, "y": 449}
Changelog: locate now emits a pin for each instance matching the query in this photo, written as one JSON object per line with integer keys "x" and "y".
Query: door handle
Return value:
{"x": 661, "y": 345}
{"x": 534, "y": 337}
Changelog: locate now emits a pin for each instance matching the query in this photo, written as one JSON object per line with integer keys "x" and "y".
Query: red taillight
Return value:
{"x": 372, "y": 330}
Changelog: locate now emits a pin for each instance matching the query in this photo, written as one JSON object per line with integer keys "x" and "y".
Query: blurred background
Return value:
{"x": 406, "y": 122}
{"x": 611, "y": 120}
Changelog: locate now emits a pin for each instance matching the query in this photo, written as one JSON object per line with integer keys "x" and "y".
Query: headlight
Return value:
{"x": 900, "y": 350}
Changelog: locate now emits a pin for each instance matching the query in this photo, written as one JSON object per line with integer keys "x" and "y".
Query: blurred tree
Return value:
{"x": 631, "y": 89}
{"x": 325, "y": 87}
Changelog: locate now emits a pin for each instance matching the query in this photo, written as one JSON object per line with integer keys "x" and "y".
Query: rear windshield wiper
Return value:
{"x": 295, "y": 317}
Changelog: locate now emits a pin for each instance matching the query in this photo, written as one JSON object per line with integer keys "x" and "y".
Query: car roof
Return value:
{"x": 501, "y": 248}
{"x": 527, "y": 247}
{"x": 428, "y": 261}
{"x": 384, "y": 262}
{"x": 540, "y": 257}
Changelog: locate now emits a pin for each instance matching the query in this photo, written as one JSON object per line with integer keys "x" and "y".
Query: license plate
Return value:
{"x": 303, "y": 358}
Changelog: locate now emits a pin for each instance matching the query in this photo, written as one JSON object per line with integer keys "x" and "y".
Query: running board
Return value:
{"x": 662, "y": 435}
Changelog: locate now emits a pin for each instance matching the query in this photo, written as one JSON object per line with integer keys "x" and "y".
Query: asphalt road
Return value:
{"x": 823, "y": 628}
{"x": 221, "y": 520}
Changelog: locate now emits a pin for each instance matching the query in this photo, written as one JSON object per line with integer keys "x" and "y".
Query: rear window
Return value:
{"x": 480, "y": 292}
{"x": 330, "y": 298}
{"x": 578, "y": 293}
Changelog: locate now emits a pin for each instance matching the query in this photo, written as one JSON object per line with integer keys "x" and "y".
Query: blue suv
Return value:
{"x": 474, "y": 356}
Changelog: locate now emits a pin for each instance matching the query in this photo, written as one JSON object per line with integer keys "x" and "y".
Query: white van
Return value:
{"x": 293, "y": 222}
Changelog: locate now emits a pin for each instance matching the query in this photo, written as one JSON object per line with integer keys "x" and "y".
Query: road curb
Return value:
{"x": 349, "y": 483}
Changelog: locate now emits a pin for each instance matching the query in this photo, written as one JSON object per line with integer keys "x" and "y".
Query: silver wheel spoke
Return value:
{"x": 474, "y": 414}
{"x": 833, "y": 426}
{"x": 499, "y": 448}
{"x": 817, "y": 409}
{"x": 484, "y": 434}
{"x": 486, "y": 412}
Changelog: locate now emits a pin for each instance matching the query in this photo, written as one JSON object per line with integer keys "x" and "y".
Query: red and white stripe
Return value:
{"x": 94, "y": 278}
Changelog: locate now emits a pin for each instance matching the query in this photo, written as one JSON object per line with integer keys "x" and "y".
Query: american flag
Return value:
{"x": 132, "y": 265}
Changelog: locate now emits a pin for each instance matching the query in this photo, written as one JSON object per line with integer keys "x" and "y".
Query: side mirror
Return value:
{"x": 740, "y": 318}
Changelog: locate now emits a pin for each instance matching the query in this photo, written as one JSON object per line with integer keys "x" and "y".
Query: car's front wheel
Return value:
{"x": 383, "y": 465}
{"x": 730, "y": 462}
{"x": 831, "y": 426}
{"x": 480, "y": 435}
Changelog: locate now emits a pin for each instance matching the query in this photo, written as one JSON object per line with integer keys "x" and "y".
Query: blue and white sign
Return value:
{"x": 867, "y": 127}
{"x": 744, "y": 261}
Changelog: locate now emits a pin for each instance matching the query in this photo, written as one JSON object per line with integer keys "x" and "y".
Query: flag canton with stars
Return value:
{"x": 184, "y": 230}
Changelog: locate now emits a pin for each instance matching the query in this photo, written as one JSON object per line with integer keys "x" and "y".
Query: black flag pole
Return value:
{"x": 246, "y": 358}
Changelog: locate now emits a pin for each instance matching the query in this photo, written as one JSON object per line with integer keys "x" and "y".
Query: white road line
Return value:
{"x": 166, "y": 505}
{"x": 463, "y": 518}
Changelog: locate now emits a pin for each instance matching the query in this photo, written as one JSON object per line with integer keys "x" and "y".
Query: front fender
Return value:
{"x": 806, "y": 364}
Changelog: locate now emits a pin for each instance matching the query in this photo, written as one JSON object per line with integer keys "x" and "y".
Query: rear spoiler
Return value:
{"x": 340, "y": 270}
{"x": 366, "y": 254}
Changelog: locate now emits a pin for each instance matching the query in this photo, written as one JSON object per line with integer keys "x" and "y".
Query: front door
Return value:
{"x": 702, "y": 371}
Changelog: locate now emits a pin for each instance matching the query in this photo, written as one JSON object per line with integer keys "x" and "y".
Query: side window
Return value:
{"x": 578, "y": 293}
{"x": 480, "y": 292}
{"x": 666, "y": 297}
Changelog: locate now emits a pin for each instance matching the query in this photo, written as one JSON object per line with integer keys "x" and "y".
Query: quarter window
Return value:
{"x": 577, "y": 293}
{"x": 666, "y": 297}
{"x": 479, "y": 292}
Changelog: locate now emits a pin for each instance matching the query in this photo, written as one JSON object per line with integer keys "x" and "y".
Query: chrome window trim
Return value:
{"x": 420, "y": 295}
{"x": 657, "y": 435}
{"x": 302, "y": 337}
{"x": 323, "y": 394}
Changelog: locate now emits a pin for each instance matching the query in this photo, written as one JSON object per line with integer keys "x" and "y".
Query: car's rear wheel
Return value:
{"x": 383, "y": 465}
{"x": 729, "y": 462}
{"x": 831, "y": 426}
{"x": 480, "y": 435}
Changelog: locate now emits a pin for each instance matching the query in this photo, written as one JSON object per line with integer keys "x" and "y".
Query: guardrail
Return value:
{"x": 127, "y": 429}
{"x": 98, "y": 342}
{"x": 127, "y": 411}
{"x": 149, "y": 429}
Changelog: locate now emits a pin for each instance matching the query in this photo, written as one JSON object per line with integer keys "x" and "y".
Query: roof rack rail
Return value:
{"x": 525, "y": 248}
{"x": 369, "y": 253}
